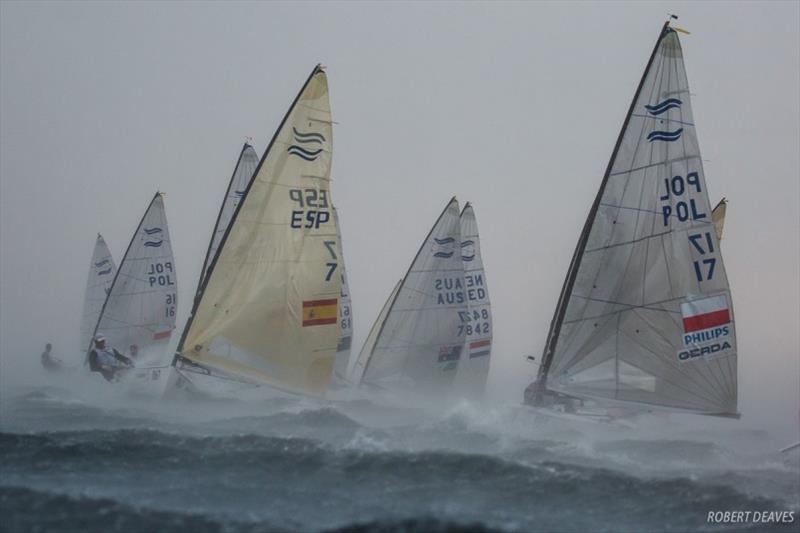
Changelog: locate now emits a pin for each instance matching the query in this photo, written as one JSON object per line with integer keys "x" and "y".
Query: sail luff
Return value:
{"x": 201, "y": 287}
{"x": 124, "y": 257}
{"x": 563, "y": 299}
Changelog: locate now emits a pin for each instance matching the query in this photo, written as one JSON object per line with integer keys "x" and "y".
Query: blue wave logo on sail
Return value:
{"x": 446, "y": 242}
{"x": 469, "y": 256}
{"x": 104, "y": 272}
{"x": 663, "y": 107}
{"x": 101, "y": 263}
{"x": 239, "y": 194}
{"x": 307, "y": 153}
{"x": 669, "y": 136}
{"x": 153, "y": 244}
{"x": 152, "y": 231}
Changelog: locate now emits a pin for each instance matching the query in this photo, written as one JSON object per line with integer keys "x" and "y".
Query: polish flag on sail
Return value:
{"x": 705, "y": 313}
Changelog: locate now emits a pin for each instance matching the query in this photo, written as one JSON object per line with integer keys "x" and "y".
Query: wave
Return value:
{"x": 664, "y": 106}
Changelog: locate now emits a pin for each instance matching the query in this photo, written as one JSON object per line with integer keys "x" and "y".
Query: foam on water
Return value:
{"x": 112, "y": 462}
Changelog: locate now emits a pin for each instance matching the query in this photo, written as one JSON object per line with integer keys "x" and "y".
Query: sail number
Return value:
{"x": 684, "y": 208}
{"x": 160, "y": 274}
{"x": 474, "y": 322}
{"x": 172, "y": 299}
{"x": 704, "y": 244}
{"x": 313, "y": 208}
{"x": 331, "y": 265}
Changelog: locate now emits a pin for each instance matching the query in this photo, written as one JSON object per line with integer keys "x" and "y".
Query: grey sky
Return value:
{"x": 512, "y": 106}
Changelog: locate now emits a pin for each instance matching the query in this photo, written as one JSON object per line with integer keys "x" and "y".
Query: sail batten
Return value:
{"x": 645, "y": 313}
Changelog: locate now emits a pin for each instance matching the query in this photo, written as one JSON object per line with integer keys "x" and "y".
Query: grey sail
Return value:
{"x": 242, "y": 174}
{"x": 645, "y": 314}
{"x": 473, "y": 367}
{"x": 355, "y": 371}
{"x": 420, "y": 342}
{"x": 98, "y": 282}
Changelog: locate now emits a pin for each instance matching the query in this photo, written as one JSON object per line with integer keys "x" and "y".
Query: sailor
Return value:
{"x": 49, "y": 362}
{"x": 134, "y": 351}
{"x": 107, "y": 361}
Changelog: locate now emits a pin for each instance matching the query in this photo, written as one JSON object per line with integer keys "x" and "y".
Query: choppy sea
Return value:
{"x": 79, "y": 460}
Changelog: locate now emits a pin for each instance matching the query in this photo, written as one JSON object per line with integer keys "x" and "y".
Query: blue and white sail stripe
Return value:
{"x": 668, "y": 136}
{"x": 663, "y": 107}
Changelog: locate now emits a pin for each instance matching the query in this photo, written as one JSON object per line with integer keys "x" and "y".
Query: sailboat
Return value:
{"x": 266, "y": 311}
{"x": 645, "y": 316}
{"x": 139, "y": 310}
{"x": 342, "y": 361}
{"x": 242, "y": 174}
{"x": 98, "y": 283}
{"x": 473, "y": 367}
{"x": 420, "y": 340}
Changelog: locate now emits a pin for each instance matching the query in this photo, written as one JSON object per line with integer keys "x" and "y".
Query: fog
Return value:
{"x": 514, "y": 107}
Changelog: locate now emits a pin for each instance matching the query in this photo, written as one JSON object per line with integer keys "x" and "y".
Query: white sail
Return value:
{"x": 140, "y": 308}
{"x": 421, "y": 340}
{"x": 646, "y": 314}
{"x": 355, "y": 371}
{"x": 341, "y": 363}
{"x": 242, "y": 174}
{"x": 473, "y": 367}
{"x": 98, "y": 282}
{"x": 267, "y": 310}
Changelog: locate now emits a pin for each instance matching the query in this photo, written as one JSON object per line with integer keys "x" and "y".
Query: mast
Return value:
{"x": 119, "y": 269}
{"x": 204, "y": 280}
{"x": 569, "y": 282}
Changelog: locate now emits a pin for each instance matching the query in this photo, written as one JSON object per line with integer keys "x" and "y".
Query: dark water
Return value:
{"x": 101, "y": 462}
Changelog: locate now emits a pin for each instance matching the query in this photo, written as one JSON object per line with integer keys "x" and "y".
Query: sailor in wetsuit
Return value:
{"x": 48, "y": 361}
{"x": 107, "y": 361}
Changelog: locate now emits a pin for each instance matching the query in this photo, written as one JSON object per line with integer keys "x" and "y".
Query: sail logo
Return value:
{"x": 151, "y": 232}
{"x": 446, "y": 247}
{"x": 238, "y": 194}
{"x": 663, "y": 107}
{"x": 706, "y": 326}
{"x": 101, "y": 263}
{"x": 153, "y": 244}
{"x": 308, "y": 146}
{"x": 104, "y": 272}
{"x": 669, "y": 136}
{"x": 467, "y": 250}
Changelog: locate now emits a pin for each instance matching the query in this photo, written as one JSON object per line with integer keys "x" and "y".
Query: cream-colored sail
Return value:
{"x": 345, "y": 319}
{"x": 267, "y": 309}
{"x": 718, "y": 217}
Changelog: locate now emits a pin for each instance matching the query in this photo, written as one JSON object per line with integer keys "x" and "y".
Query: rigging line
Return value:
{"x": 629, "y": 306}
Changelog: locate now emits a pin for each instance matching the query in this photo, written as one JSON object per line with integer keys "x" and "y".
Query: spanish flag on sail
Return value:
{"x": 320, "y": 312}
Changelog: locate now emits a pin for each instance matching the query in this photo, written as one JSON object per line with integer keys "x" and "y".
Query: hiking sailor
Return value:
{"x": 107, "y": 361}
{"x": 49, "y": 362}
